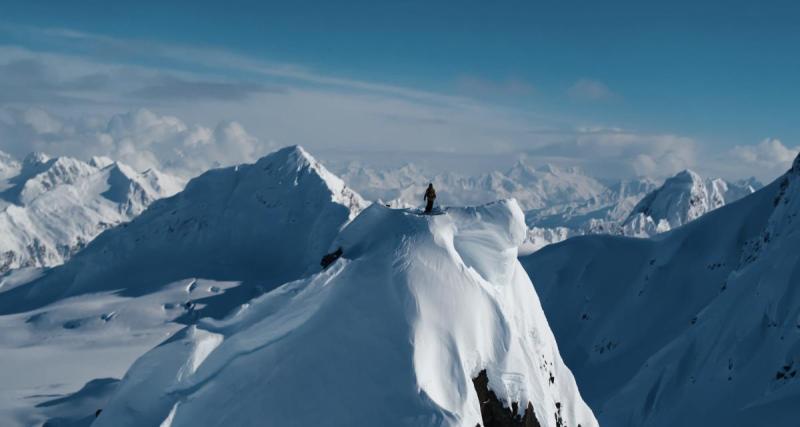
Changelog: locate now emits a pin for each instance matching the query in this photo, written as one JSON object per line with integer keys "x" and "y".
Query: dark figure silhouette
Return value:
{"x": 331, "y": 258}
{"x": 430, "y": 196}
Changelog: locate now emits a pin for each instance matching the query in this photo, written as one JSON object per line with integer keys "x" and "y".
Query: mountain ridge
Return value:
{"x": 52, "y": 207}
{"x": 692, "y": 327}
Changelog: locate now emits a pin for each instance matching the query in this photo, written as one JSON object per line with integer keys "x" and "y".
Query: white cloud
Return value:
{"x": 590, "y": 90}
{"x": 142, "y": 139}
{"x": 769, "y": 153}
{"x": 615, "y": 152}
{"x": 186, "y": 121}
{"x": 765, "y": 160}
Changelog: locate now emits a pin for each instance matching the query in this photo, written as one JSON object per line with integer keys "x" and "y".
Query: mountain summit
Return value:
{"x": 681, "y": 199}
{"x": 421, "y": 316}
{"x": 268, "y": 221}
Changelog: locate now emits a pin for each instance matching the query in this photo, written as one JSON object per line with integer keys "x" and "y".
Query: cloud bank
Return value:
{"x": 768, "y": 154}
{"x": 238, "y": 108}
{"x": 142, "y": 139}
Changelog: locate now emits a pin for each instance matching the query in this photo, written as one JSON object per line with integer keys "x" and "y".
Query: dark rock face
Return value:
{"x": 494, "y": 413}
{"x": 330, "y": 258}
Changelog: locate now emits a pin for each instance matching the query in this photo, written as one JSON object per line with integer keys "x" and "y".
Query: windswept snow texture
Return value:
{"x": 267, "y": 222}
{"x": 699, "y": 326}
{"x": 391, "y": 334}
{"x": 51, "y": 208}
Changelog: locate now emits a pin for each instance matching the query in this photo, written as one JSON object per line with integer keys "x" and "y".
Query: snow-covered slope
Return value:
{"x": 50, "y": 208}
{"x": 392, "y": 334}
{"x": 231, "y": 235}
{"x": 268, "y": 221}
{"x": 698, "y": 326}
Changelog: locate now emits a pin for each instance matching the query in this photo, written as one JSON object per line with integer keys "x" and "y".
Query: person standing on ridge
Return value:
{"x": 430, "y": 196}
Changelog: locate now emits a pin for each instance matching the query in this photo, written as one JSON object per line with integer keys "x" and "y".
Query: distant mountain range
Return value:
{"x": 52, "y": 207}
{"x": 698, "y": 326}
{"x": 560, "y": 202}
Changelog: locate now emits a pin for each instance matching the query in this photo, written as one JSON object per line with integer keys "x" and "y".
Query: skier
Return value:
{"x": 430, "y": 196}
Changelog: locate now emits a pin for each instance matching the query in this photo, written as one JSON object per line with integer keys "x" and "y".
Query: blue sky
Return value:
{"x": 719, "y": 80}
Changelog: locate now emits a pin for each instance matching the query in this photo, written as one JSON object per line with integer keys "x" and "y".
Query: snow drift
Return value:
{"x": 393, "y": 333}
{"x": 698, "y": 326}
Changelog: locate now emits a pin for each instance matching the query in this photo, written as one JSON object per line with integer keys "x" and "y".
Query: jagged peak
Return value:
{"x": 521, "y": 169}
{"x": 522, "y": 164}
{"x": 686, "y": 175}
{"x": 123, "y": 169}
{"x": 101, "y": 162}
{"x": 293, "y": 161}
{"x": 550, "y": 168}
{"x": 294, "y": 154}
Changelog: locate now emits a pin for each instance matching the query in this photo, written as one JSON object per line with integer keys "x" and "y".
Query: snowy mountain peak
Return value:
{"x": 521, "y": 169}
{"x": 420, "y": 316}
{"x": 294, "y": 162}
{"x": 34, "y": 230}
{"x": 294, "y": 153}
{"x": 100, "y": 162}
{"x": 290, "y": 160}
{"x": 551, "y": 168}
{"x": 270, "y": 221}
{"x": 685, "y": 176}
{"x": 42, "y": 173}
{"x": 134, "y": 191}
{"x": 682, "y": 198}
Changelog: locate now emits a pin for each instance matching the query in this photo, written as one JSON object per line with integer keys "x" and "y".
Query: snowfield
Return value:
{"x": 698, "y": 326}
{"x": 391, "y": 334}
